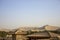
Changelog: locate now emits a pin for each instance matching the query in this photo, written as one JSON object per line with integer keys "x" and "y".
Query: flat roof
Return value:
{"x": 39, "y": 34}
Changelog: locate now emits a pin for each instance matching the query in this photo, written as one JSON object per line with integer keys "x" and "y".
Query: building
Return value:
{"x": 35, "y": 33}
{"x": 39, "y": 36}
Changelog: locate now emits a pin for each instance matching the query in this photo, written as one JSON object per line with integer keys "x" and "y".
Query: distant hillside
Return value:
{"x": 28, "y": 28}
{"x": 4, "y": 29}
{"x": 48, "y": 27}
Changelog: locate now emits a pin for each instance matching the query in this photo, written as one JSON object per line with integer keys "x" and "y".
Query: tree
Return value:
{"x": 3, "y": 34}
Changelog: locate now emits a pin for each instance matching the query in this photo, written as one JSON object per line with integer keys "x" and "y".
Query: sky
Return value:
{"x": 16, "y": 13}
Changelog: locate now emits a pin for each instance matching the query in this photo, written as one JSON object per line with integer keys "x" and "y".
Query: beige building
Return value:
{"x": 21, "y": 35}
{"x": 30, "y": 33}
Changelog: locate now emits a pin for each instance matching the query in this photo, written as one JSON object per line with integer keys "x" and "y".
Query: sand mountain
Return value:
{"x": 48, "y": 27}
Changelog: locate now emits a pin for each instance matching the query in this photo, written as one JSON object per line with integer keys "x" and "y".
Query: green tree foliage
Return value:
{"x": 3, "y": 34}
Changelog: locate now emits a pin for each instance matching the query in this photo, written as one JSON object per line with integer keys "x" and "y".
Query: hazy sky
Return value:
{"x": 16, "y": 13}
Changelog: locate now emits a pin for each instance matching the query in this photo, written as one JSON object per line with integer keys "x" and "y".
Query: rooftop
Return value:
{"x": 40, "y": 34}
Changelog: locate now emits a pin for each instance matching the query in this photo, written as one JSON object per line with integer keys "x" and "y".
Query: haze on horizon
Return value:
{"x": 16, "y": 13}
